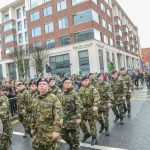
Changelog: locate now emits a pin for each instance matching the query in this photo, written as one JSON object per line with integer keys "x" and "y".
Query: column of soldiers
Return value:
{"x": 49, "y": 113}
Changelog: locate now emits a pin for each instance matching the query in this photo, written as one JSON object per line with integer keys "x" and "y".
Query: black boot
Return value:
{"x": 107, "y": 133}
{"x": 85, "y": 137}
{"x": 116, "y": 119}
{"x": 121, "y": 121}
{"x": 93, "y": 141}
{"x": 129, "y": 113}
{"x": 102, "y": 126}
{"x": 70, "y": 147}
{"x": 10, "y": 142}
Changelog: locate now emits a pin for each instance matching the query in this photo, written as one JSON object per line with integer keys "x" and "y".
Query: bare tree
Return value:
{"x": 19, "y": 55}
{"x": 39, "y": 54}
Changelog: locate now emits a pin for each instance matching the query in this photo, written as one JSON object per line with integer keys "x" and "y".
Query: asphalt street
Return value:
{"x": 133, "y": 135}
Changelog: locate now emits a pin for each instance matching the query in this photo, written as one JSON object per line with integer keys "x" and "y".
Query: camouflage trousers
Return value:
{"x": 26, "y": 124}
{"x": 72, "y": 137}
{"x": 91, "y": 118}
{"x": 103, "y": 115}
{"x": 6, "y": 135}
{"x": 128, "y": 102}
{"x": 118, "y": 109}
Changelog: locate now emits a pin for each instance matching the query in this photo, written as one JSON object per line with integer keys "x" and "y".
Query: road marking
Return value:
{"x": 97, "y": 147}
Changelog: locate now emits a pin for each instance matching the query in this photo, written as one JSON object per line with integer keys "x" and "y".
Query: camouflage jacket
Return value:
{"x": 89, "y": 96}
{"x": 23, "y": 101}
{"x": 72, "y": 107}
{"x": 47, "y": 115}
{"x": 105, "y": 92}
{"x": 128, "y": 81}
{"x": 4, "y": 107}
{"x": 55, "y": 90}
{"x": 119, "y": 88}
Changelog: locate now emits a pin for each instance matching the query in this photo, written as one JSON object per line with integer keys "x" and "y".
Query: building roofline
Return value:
{"x": 114, "y": 2}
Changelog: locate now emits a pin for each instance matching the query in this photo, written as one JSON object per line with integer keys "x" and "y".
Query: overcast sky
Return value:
{"x": 139, "y": 12}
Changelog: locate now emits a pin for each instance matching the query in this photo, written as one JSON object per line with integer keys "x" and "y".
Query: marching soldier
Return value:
{"x": 119, "y": 89}
{"x": 90, "y": 98}
{"x": 72, "y": 106}
{"x": 47, "y": 119}
{"x": 128, "y": 81}
{"x": 5, "y": 137}
{"x": 106, "y": 99}
{"x": 53, "y": 88}
{"x": 22, "y": 104}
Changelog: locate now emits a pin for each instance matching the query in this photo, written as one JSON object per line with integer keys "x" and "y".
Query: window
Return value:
{"x": 20, "y": 38}
{"x": 87, "y": 35}
{"x": 85, "y": 16}
{"x": 103, "y": 7}
{"x": 8, "y": 26}
{"x": 109, "y": 13}
{"x": 6, "y": 18}
{"x": 113, "y": 60}
{"x": 25, "y": 23}
{"x": 110, "y": 27}
{"x": 63, "y": 23}
{"x": 111, "y": 41}
{"x": 12, "y": 70}
{"x": 75, "y": 2}
{"x": 36, "y": 31}
{"x": 18, "y": 13}
{"x": 1, "y": 72}
{"x": 118, "y": 32}
{"x": 50, "y": 43}
{"x": 64, "y": 40}
{"x": 125, "y": 29}
{"x": 117, "y": 21}
{"x": 34, "y": 16}
{"x": 60, "y": 64}
{"x": 47, "y": 10}
{"x": 104, "y": 23}
{"x": 9, "y": 50}
{"x": 107, "y": 58}
{"x": 61, "y": 5}
{"x": 37, "y": 45}
{"x": 33, "y": 3}
{"x": 49, "y": 27}
{"x": 105, "y": 39}
{"x": 44, "y": 1}
{"x": 101, "y": 61}
{"x": 24, "y": 10}
{"x": 109, "y": 2}
{"x": 10, "y": 38}
{"x": 20, "y": 26}
{"x": 26, "y": 36}
{"x": 84, "y": 62}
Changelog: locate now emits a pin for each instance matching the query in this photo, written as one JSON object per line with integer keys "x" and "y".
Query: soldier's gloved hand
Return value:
{"x": 78, "y": 121}
{"x": 32, "y": 132}
{"x": 55, "y": 135}
{"x": 109, "y": 104}
{"x": 95, "y": 109}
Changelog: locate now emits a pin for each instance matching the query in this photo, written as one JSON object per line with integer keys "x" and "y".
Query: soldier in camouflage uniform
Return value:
{"x": 22, "y": 104}
{"x": 72, "y": 106}
{"x": 119, "y": 89}
{"x": 53, "y": 88}
{"x": 5, "y": 137}
{"x": 92, "y": 79}
{"x": 128, "y": 81}
{"x": 106, "y": 98}
{"x": 47, "y": 119}
{"x": 90, "y": 99}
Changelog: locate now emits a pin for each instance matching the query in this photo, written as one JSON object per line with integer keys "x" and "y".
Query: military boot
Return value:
{"x": 85, "y": 137}
{"x": 102, "y": 126}
{"x": 116, "y": 119}
{"x": 107, "y": 133}
{"x": 93, "y": 141}
{"x": 121, "y": 121}
{"x": 129, "y": 113}
{"x": 25, "y": 135}
{"x": 70, "y": 147}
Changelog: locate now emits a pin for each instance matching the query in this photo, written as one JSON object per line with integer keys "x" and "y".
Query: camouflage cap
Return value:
{"x": 32, "y": 82}
{"x": 115, "y": 71}
{"x": 84, "y": 78}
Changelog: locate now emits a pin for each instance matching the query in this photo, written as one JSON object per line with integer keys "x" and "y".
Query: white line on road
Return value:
{"x": 97, "y": 147}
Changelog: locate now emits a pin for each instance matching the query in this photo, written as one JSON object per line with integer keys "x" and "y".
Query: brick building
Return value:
{"x": 80, "y": 35}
